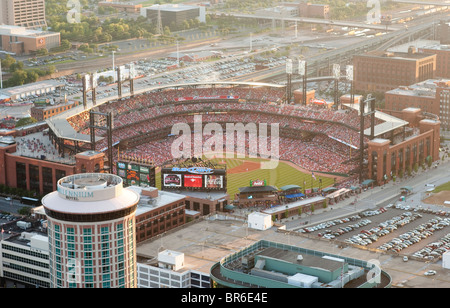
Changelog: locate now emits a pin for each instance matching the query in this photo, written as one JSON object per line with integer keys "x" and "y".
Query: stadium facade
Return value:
{"x": 143, "y": 122}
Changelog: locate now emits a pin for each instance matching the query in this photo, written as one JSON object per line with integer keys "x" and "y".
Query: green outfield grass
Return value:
{"x": 284, "y": 174}
{"x": 442, "y": 187}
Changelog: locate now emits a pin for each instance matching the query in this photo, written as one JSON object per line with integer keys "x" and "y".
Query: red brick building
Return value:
{"x": 158, "y": 212}
{"x": 442, "y": 53}
{"x": 387, "y": 159}
{"x": 432, "y": 96}
{"x": 41, "y": 174}
{"x": 381, "y": 71}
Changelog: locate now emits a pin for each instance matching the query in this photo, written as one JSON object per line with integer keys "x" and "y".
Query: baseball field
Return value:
{"x": 240, "y": 171}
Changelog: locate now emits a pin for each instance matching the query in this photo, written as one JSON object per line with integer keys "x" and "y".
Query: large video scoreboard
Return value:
{"x": 136, "y": 174}
{"x": 193, "y": 178}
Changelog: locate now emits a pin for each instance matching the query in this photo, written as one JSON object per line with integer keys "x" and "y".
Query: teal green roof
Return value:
{"x": 292, "y": 186}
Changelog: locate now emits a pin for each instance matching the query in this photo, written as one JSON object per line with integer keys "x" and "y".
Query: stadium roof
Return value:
{"x": 251, "y": 189}
{"x": 389, "y": 122}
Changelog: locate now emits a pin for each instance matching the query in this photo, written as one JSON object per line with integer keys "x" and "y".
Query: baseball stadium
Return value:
{"x": 317, "y": 146}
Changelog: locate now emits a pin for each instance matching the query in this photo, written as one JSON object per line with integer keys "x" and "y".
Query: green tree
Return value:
{"x": 16, "y": 66}
{"x": 25, "y": 121}
{"x": 7, "y": 62}
{"x": 32, "y": 76}
{"x": 18, "y": 78}
{"x": 65, "y": 44}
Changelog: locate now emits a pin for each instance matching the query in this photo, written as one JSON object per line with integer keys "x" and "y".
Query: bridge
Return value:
{"x": 441, "y": 3}
{"x": 341, "y": 23}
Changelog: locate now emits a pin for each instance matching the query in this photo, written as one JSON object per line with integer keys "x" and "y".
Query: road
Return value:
{"x": 10, "y": 206}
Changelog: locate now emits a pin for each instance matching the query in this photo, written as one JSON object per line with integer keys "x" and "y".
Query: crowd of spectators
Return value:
{"x": 335, "y": 131}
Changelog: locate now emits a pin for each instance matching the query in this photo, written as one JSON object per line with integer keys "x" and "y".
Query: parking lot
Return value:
{"x": 413, "y": 232}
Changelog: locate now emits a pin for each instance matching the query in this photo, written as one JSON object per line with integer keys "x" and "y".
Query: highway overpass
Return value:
{"x": 435, "y": 3}
{"x": 341, "y": 23}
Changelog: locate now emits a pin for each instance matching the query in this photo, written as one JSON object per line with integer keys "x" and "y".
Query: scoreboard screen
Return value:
{"x": 136, "y": 174}
{"x": 193, "y": 178}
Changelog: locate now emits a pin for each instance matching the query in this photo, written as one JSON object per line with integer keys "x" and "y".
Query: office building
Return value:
{"x": 380, "y": 71}
{"x": 91, "y": 232}
{"x": 313, "y": 10}
{"x": 23, "y": 13}
{"x": 20, "y": 40}
{"x": 172, "y": 14}
{"x": 169, "y": 270}
{"x": 24, "y": 260}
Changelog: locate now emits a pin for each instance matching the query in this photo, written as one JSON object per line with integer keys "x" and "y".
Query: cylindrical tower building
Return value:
{"x": 91, "y": 232}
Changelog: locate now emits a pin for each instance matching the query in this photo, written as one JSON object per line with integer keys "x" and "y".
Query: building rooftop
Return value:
{"x": 22, "y": 31}
{"x": 420, "y": 45}
{"x": 31, "y": 87}
{"x": 397, "y": 55}
{"x": 90, "y": 193}
{"x": 425, "y": 88}
{"x": 295, "y": 204}
{"x": 307, "y": 260}
{"x": 149, "y": 203}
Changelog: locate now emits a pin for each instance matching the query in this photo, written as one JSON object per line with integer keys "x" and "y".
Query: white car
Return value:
{"x": 430, "y": 273}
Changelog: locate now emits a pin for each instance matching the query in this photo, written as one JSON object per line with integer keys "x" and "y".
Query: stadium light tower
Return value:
{"x": 336, "y": 76}
{"x": 349, "y": 75}
{"x": 289, "y": 80}
{"x": 302, "y": 72}
{"x": 370, "y": 103}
